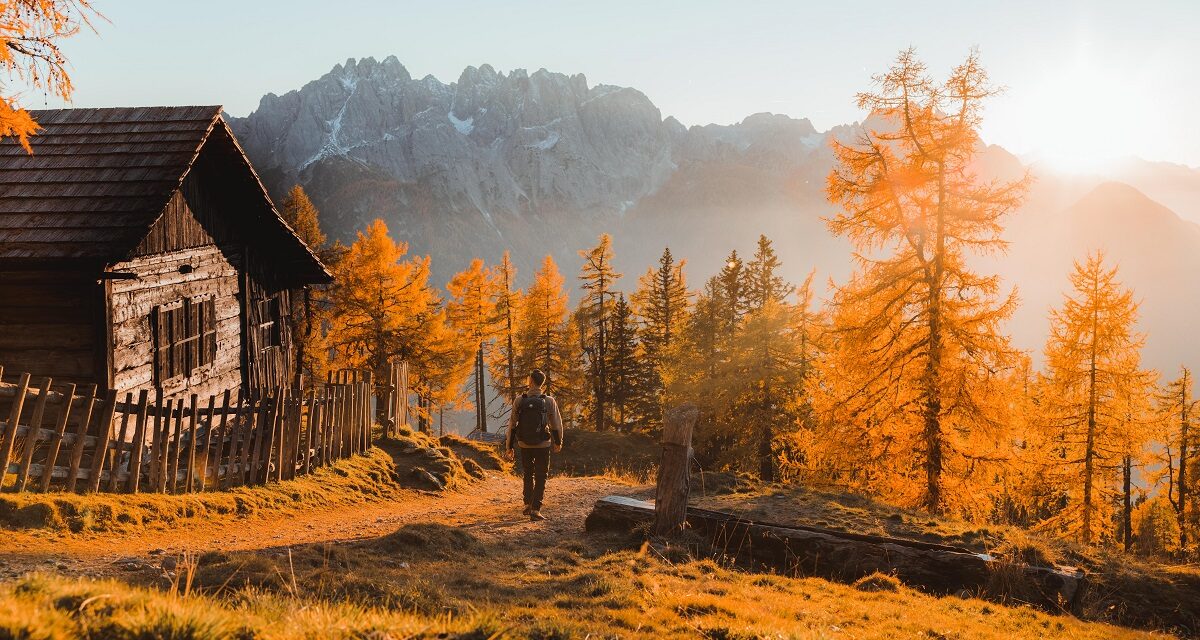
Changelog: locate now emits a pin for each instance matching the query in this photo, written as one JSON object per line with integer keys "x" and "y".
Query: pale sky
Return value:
{"x": 1087, "y": 80}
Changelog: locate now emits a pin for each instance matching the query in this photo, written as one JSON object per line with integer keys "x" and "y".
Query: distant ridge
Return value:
{"x": 541, "y": 163}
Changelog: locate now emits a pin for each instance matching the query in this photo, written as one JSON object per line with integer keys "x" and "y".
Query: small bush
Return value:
{"x": 878, "y": 582}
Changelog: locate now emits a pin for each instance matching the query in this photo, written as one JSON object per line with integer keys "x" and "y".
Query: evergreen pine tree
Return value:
{"x": 595, "y": 310}
{"x": 661, "y": 304}
{"x": 763, "y": 284}
{"x": 626, "y": 368}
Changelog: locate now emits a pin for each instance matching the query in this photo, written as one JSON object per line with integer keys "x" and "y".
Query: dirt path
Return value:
{"x": 489, "y": 509}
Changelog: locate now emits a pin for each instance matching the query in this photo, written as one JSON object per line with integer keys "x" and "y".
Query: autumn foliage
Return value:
{"x": 30, "y": 32}
{"x": 901, "y": 384}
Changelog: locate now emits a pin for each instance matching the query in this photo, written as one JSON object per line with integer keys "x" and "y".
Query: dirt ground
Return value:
{"x": 490, "y": 510}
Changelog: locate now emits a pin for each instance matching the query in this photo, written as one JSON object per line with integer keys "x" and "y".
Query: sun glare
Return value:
{"x": 1082, "y": 113}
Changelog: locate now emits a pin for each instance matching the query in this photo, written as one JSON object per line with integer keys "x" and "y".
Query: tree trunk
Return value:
{"x": 425, "y": 403}
{"x": 480, "y": 393}
{"x": 1127, "y": 505}
{"x": 766, "y": 461}
{"x": 302, "y": 343}
{"x": 1089, "y": 453}
{"x": 1182, "y": 489}
{"x": 934, "y": 500}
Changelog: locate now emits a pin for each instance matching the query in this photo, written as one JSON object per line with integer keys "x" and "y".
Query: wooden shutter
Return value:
{"x": 178, "y": 331}
{"x": 209, "y": 331}
{"x": 191, "y": 330}
{"x": 162, "y": 343}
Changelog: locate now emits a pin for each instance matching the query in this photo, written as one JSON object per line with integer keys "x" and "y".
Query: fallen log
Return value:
{"x": 837, "y": 555}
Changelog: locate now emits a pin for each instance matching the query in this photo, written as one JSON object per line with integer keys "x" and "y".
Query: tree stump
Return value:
{"x": 670, "y": 506}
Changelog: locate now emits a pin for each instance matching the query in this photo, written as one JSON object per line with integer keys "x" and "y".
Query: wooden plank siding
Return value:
{"x": 51, "y": 322}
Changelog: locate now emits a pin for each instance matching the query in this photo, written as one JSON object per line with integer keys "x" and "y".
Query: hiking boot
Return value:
{"x": 527, "y": 510}
{"x": 536, "y": 516}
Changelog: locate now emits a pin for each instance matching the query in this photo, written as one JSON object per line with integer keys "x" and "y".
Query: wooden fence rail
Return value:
{"x": 68, "y": 438}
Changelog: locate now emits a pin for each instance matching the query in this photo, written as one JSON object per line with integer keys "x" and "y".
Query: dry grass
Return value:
{"x": 1122, "y": 588}
{"x": 456, "y": 582}
{"x": 40, "y": 607}
{"x": 485, "y": 456}
{"x": 383, "y": 472}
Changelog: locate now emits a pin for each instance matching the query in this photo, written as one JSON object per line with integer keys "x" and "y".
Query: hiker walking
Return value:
{"x": 534, "y": 427}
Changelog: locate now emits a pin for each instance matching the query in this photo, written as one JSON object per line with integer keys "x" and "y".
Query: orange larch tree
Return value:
{"x": 382, "y": 307}
{"x": 1097, "y": 400}
{"x": 502, "y": 364}
{"x": 305, "y": 219}
{"x": 472, "y": 311}
{"x": 919, "y": 333}
{"x": 547, "y": 340}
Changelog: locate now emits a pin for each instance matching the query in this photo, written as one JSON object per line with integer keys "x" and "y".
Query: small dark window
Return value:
{"x": 185, "y": 337}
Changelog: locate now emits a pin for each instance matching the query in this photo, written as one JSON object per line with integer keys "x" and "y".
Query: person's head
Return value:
{"x": 537, "y": 378}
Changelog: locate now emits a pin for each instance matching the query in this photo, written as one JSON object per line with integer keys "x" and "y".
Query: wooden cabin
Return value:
{"x": 139, "y": 250}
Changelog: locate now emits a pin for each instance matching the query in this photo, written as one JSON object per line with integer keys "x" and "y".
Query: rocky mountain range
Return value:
{"x": 542, "y": 162}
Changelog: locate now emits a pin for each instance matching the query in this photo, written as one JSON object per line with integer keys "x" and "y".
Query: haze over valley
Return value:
{"x": 544, "y": 162}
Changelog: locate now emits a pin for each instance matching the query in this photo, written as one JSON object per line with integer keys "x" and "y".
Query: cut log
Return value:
{"x": 841, "y": 556}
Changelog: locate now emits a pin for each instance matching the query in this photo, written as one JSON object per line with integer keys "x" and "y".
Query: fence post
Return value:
{"x": 175, "y": 445}
{"x": 103, "y": 439}
{"x": 278, "y": 433}
{"x": 139, "y": 443}
{"x": 55, "y": 445}
{"x": 670, "y": 505}
{"x": 221, "y": 433}
{"x": 35, "y": 429}
{"x": 156, "y": 442}
{"x": 115, "y": 462}
{"x": 80, "y": 438}
{"x": 260, "y": 426}
{"x": 14, "y": 419}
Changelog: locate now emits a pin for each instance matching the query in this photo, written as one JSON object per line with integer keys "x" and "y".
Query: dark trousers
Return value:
{"x": 534, "y": 465}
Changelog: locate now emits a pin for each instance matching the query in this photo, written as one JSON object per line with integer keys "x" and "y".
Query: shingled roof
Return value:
{"x": 99, "y": 178}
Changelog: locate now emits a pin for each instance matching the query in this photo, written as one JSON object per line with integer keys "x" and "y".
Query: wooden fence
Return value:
{"x": 74, "y": 439}
{"x": 396, "y": 409}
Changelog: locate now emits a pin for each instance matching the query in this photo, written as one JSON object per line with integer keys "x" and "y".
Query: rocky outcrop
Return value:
{"x": 539, "y": 163}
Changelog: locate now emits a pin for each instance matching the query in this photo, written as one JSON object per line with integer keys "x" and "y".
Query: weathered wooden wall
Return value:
{"x": 51, "y": 322}
{"x": 160, "y": 282}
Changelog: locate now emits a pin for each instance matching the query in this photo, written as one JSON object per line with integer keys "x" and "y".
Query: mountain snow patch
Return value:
{"x": 546, "y": 144}
{"x": 464, "y": 127}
